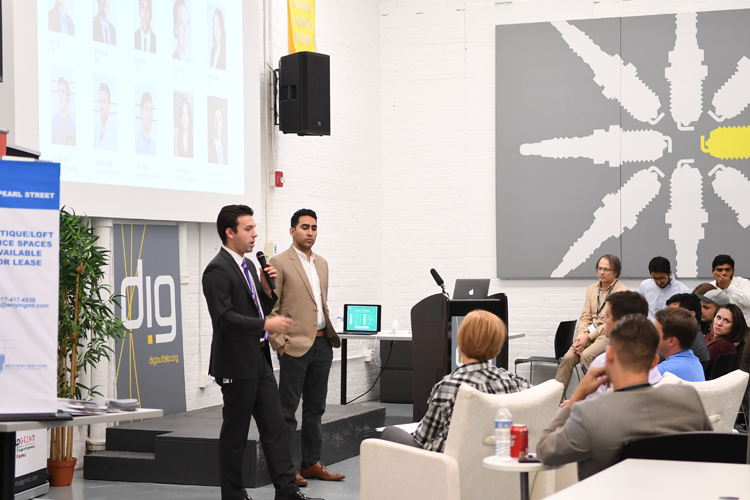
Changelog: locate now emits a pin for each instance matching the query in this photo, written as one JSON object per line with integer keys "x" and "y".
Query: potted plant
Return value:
{"x": 86, "y": 324}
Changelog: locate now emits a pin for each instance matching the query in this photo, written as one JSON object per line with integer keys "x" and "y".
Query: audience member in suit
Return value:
{"x": 592, "y": 432}
{"x": 690, "y": 303}
{"x": 181, "y": 16}
{"x": 218, "y": 58}
{"x": 728, "y": 330}
{"x": 104, "y": 31}
{"x": 621, "y": 304}
{"x": 480, "y": 338}
{"x": 183, "y": 140}
{"x": 677, "y": 330}
{"x": 63, "y": 124}
{"x": 591, "y": 340}
{"x": 240, "y": 361}
{"x": 145, "y": 39}
{"x": 660, "y": 286}
{"x": 306, "y": 350}
{"x": 59, "y": 20}
{"x": 217, "y": 148}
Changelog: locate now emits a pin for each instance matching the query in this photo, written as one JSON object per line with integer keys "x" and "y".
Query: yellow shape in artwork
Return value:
{"x": 727, "y": 143}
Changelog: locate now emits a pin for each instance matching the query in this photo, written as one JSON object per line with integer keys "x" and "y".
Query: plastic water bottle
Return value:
{"x": 339, "y": 327}
{"x": 503, "y": 423}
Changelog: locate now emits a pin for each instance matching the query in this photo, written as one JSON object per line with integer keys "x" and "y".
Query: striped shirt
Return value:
{"x": 482, "y": 376}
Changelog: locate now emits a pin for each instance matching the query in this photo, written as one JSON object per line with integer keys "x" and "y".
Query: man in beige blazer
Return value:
{"x": 306, "y": 350}
{"x": 592, "y": 432}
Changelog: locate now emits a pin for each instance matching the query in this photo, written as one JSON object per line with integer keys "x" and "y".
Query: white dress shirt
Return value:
{"x": 219, "y": 151}
{"x": 657, "y": 297}
{"x": 146, "y": 41}
{"x": 738, "y": 293}
{"x": 314, "y": 279}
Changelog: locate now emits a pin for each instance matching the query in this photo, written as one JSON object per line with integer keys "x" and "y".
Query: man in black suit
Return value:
{"x": 104, "y": 31}
{"x": 59, "y": 20}
{"x": 145, "y": 39}
{"x": 240, "y": 357}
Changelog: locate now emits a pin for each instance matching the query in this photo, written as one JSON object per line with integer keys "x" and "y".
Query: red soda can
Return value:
{"x": 519, "y": 441}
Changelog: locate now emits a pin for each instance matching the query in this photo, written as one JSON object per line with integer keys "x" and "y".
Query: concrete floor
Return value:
{"x": 348, "y": 489}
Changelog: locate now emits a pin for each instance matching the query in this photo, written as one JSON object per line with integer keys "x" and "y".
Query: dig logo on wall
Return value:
{"x": 630, "y": 136}
{"x": 150, "y": 356}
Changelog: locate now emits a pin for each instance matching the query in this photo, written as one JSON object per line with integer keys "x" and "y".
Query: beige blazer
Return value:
{"x": 296, "y": 297}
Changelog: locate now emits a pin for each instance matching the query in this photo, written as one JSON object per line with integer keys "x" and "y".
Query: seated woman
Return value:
{"x": 728, "y": 329}
{"x": 480, "y": 338}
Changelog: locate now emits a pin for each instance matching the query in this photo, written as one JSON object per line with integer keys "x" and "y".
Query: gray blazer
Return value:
{"x": 593, "y": 431}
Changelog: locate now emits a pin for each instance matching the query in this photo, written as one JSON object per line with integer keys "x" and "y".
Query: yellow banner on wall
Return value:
{"x": 301, "y": 25}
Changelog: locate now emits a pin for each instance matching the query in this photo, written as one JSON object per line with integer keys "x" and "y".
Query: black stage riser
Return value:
{"x": 188, "y": 454}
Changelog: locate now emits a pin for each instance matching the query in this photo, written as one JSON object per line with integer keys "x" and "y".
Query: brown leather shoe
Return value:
{"x": 298, "y": 479}
{"x": 319, "y": 471}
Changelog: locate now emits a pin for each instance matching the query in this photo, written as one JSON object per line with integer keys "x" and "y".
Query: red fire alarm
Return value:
{"x": 279, "y": 176}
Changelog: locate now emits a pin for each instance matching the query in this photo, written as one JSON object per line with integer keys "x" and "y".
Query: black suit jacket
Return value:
{"x": 99, "y": 36}
{"x": 213, "y": 156}
{"x": 237, "y": 325}
{"x": 54, "y": 22}
{"x": 139, "y": 43}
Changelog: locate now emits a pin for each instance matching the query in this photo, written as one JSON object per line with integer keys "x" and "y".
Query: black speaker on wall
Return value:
{"x": 305, "y": 94}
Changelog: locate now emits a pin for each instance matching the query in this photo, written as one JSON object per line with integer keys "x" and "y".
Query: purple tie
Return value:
{"x": 144, "y": 43}
{"x": 252, "y": 290}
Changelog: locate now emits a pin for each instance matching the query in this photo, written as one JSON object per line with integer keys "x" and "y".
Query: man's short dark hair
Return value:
{"x": 720, "y": 260}
{"x": 228, "y": 219}
{"x": 687, "y": 301}
{"x": 104, "y": 87}
{"x": 659, "y": 265}
{"x": 678, "y": 323}
{"x": 624, "y": 303}
{"x": 635, "y": 339}
{"x": 146, "y": 97}
{"x": 614, "y": 262}
{"x": 301, "y": 213}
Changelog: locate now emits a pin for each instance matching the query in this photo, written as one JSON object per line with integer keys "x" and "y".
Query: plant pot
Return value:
{"x": 61, "y": 471}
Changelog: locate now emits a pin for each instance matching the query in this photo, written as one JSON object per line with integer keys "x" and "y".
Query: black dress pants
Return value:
{"x": 257, "y": 397}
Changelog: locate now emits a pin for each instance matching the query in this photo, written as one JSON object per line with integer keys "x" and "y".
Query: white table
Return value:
{"x": 513, "y": 465}
{"x": 8, "y": 438}
{"x": 400, "y": 335}
{"x": 663, "y": 480}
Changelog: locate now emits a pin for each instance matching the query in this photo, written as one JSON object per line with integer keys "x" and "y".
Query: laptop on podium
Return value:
{"x": 471, "y": 289}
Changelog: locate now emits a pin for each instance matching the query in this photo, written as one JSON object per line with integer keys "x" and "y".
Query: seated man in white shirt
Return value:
{"x": 621, "y": 304}
{"x": 661, "y": 286}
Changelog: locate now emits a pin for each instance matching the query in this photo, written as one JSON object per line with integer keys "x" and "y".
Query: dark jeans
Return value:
{"x": 399, "y": 436}
{"x": 257, "y": 398}
{"x": 306, "y": 377}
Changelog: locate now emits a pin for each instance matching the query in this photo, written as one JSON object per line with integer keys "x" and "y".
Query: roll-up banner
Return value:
{"x": 29, "y": 281}
{"x": 150, "y": 362}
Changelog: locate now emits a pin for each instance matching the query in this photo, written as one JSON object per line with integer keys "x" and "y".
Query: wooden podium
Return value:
{"x": 431, "y": 340}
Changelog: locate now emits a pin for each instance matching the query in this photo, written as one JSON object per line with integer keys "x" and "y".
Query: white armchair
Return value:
{"x": 393, "y": 471}
{"x": 722, "y": 398}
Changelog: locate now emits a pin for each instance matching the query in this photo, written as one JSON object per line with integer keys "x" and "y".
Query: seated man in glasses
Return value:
{"x": 480, "y": 338}
{"x": 661, "y": 286}
{"x": 591, "y": 340}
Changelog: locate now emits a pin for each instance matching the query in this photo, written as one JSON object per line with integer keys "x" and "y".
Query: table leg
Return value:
{"x": 343, "y": 371}
{"x": 7, "y": 465}
{"x": 524, "y": 486}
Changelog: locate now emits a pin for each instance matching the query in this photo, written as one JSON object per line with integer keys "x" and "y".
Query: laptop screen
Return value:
{"x": 361, "y": 318}
{"x": 471, "y": 289}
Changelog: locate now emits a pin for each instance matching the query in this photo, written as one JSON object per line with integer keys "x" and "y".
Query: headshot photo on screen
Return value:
{"x": 63, "y": 108}
{"x": 104, "y": 30}
{"x": 183, "y": 125}
{"x": 61, "y": 17}
{"x": 217, "y": 35}
{"x": 217, "y": 132}
{"x": 145, "y": 40}
{"x": 145, "y": 121}
{"x": 105, "y": 113}
{"x": 183, "y": 50}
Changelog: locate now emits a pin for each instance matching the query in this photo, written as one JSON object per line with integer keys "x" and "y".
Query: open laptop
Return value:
{"x": 362, "y": 319}
{"x": 471, "y": 289}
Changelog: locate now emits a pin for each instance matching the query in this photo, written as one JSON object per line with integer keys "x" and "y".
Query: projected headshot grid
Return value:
{"x": 124, "y": 143}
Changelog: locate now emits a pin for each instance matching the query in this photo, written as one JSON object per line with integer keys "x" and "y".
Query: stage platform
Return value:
{"x": 184, "y": 448}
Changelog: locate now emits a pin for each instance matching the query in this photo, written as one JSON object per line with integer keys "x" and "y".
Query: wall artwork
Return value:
{"x": 628, "y": 136}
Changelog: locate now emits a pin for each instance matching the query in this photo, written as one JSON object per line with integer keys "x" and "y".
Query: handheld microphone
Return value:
{"x": 438, "y": 280}
{"x": 262, "y": 261}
